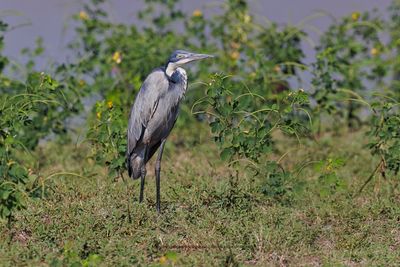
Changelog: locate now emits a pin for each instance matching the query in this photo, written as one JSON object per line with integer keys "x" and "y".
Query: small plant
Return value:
{"x": 279, "y": 184}
{"x": 169, "y": 258}
{"x": 71, "y": 257}
{"x": 329, "y": 182}
{"x": 243, "y": 122}
{"x": 19, "y": 114}
{"x": 3, "y": 60}
{"x": 385, "y": 137}
{"x": 108, "y": 136}
{"x": 348, "y": 62}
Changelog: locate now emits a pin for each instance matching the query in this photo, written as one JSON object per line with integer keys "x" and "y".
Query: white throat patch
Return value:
{"x": 171, "y": 68}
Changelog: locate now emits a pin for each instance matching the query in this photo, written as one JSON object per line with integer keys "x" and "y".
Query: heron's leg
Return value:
{"x": 158, "y": 170}
{"x": 143, "y": 174}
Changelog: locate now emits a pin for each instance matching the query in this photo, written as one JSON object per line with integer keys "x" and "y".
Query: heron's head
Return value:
{"x": 181, "y": 57}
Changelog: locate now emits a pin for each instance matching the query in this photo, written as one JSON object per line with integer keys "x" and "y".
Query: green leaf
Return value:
{"x": 171, "y": 255}
{"x": 226, "y": 154}
{"x": 4, "y": 194}
{"x": 5, "y": 212}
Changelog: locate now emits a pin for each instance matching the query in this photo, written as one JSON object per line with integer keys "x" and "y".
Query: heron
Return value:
{"x": 153, "y": 115}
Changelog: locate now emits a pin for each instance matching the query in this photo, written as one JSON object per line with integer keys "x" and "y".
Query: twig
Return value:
{"x": 370, "y": 177}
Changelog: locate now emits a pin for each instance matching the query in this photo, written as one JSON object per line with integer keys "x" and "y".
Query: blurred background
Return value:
{"x": 52, "y": 19}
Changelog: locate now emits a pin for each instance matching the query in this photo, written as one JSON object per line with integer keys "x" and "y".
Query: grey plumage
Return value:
{"x": 154, "y": 114}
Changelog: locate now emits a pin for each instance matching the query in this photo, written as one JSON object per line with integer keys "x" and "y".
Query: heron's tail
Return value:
{"x": 134, "y": 163}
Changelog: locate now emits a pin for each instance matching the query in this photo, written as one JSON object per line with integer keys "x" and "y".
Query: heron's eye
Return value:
{"x": 179, "y": 56}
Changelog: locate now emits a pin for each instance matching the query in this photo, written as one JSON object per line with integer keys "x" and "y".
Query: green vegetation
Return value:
{"x": 263, "y": 167}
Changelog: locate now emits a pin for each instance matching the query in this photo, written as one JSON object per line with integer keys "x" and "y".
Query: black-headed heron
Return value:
{"x": 154, "y": 114}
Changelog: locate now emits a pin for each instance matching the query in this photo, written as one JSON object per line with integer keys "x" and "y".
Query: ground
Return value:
{"x": 211, "y": 214}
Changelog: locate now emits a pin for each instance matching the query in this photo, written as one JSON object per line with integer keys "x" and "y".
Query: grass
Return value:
{"x": 211, "y": 216}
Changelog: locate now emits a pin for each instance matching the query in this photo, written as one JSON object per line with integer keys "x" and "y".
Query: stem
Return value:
{"x": 9, "y": 225}
{"x": 370, "y": 177}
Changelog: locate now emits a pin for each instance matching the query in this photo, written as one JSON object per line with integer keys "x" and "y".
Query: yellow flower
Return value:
{"x": 374, "y": 51}
{"x": 235, "y": 55}
{"x": 83, "y": 15}
{"x": 355, "y": 16}
{"x": 98, "y": 115}
{"x": 11, "y": 162}
{"x": 277, "y": 69}
{"x": 235, "y": 45}
{"x": 197, "y": 13}
{"x": 253, "y": 75}
{"x": 163, "y": 260}
{"x": 329, "y": 168}
{"x": 117, "y": 57}
{"x": 81, "y": 83}
{"x": 247, "y": 18}
{"x": 110, "y": 104}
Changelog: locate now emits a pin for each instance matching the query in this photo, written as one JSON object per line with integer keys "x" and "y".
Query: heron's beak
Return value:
{"x": 199, "y": 56}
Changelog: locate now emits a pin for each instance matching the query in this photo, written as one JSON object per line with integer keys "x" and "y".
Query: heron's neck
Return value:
{"x": 179, "y": 79}
{"x": 176, "y": 74}
{"x": 170, "y": 69}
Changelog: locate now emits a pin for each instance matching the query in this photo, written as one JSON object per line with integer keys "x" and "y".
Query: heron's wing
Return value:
{"x": 146, "y": 103}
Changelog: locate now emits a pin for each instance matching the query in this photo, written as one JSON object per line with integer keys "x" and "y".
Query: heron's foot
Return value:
{"x": 158, "y": 208}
